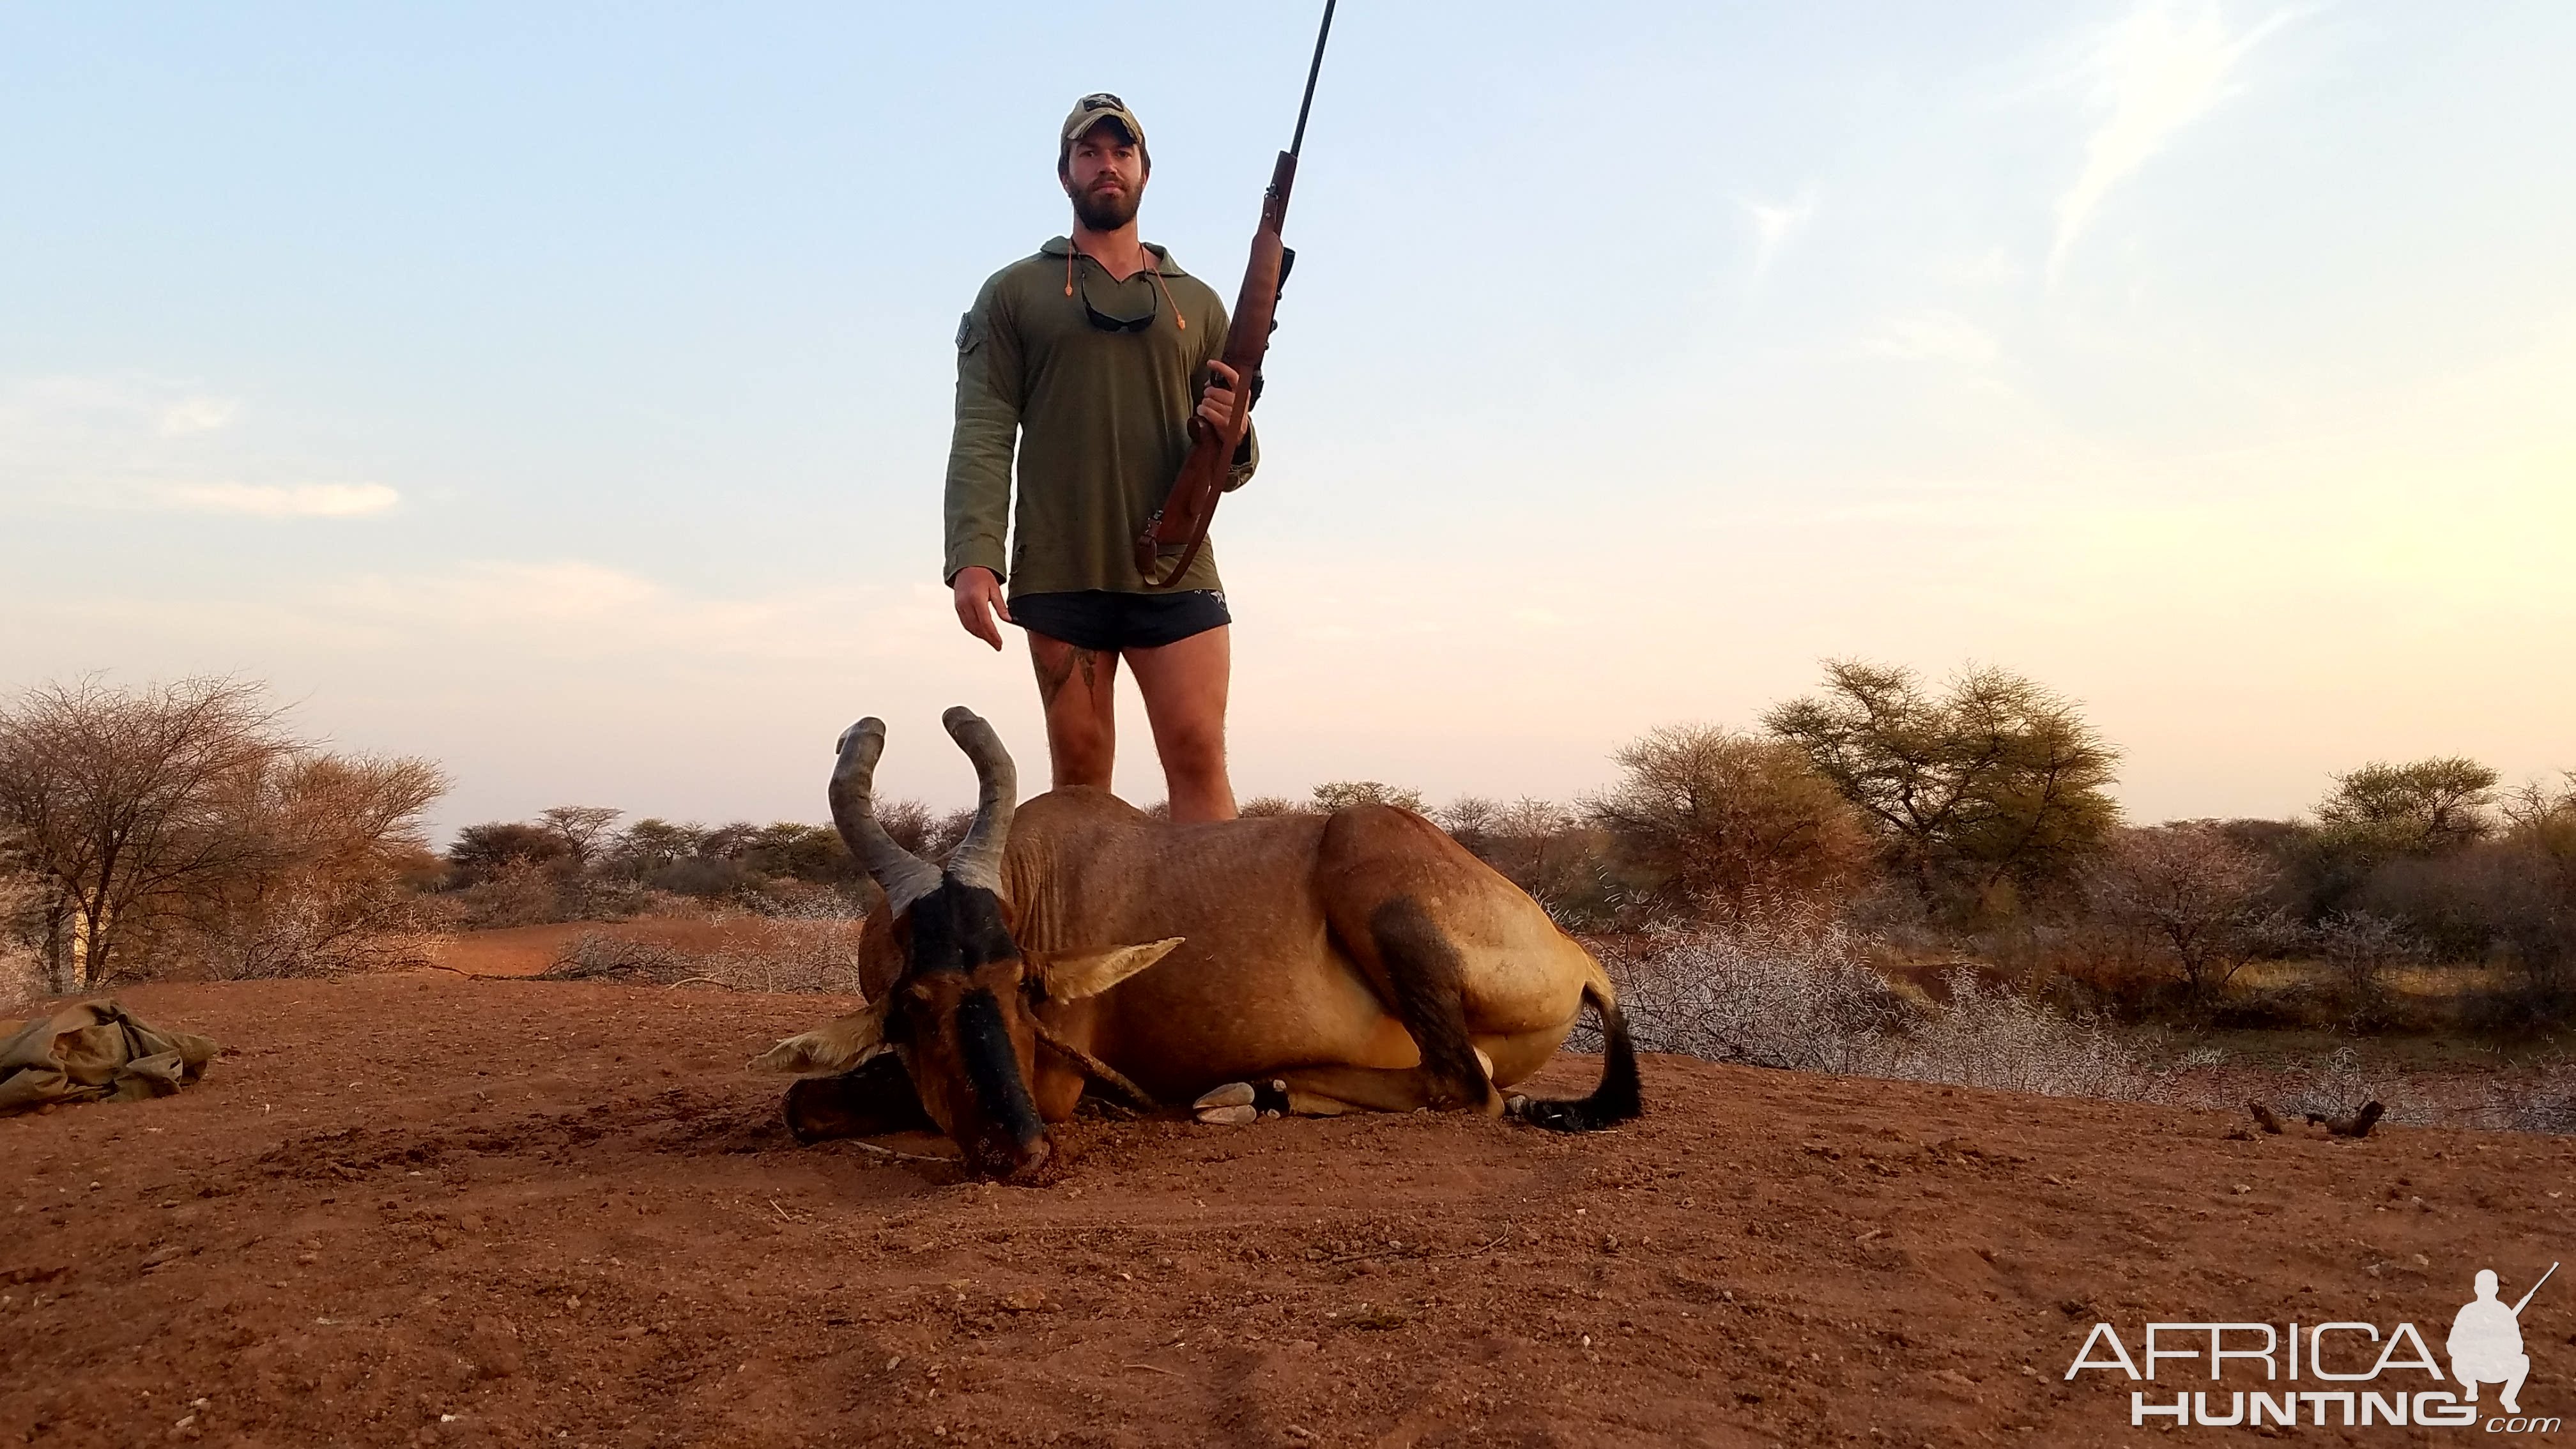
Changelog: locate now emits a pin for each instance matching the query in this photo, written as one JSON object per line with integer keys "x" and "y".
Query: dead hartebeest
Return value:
{"x": 1309, "y": 964}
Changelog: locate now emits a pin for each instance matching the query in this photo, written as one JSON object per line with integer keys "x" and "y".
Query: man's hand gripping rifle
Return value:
{"x": 1182, "y": 521}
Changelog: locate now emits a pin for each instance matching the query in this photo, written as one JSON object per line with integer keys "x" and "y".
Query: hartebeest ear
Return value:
{"x": 838, "y": 1046}
{"x": 1073, "y": 975}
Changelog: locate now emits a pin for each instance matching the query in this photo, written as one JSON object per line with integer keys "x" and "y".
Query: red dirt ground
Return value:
{"x": 429, "y": 1210}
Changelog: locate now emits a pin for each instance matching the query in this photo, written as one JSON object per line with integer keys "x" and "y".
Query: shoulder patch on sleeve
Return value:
{"x": 966, "y": 338}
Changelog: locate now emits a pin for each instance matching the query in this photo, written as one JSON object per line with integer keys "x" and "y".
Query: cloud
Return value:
{"x": 1933, "y": 337}
{"x": 143, "y": 444}
{"x": 577, "y": 608}
{"x": 566, "y": 590}
{"x": 2164, "y": 67}
{"x": 1994, "y": 267}
{"x": 197, "y": 415}
{"x": 303, "y": 500}
{"x": 1775, "y": 224}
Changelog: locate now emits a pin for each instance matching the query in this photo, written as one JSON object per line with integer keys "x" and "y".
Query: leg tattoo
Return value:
{"x": 1053, "y": 675}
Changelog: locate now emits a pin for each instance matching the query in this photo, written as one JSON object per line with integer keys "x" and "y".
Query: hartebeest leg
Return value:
{"x": 1331, "y": 1091}
{"x": 1419, "y": 972}
{"x": 1328, "y": 1091}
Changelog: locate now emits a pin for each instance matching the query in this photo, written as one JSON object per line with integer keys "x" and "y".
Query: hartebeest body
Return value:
{"x": 1313, "y": 964}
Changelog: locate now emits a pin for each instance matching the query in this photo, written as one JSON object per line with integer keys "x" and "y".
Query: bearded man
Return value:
{"x": 1089, "y": 359}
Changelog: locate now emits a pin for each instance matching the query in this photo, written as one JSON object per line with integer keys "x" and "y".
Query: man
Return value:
{"x": 1092, "y": 356}
{"x": 2486, "y": 1345}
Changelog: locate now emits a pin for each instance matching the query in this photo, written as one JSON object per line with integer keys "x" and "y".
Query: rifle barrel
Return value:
{"x": 1312, "y": 71}
{"x": 2526, "y": 1298}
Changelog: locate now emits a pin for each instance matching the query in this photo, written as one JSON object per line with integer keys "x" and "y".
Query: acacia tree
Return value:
{"x": 583, "y": 829}
{"x": 184, "y": 805}
{"x": 119, "y": 799}
{"x": 1470, "y": 820}
{"x": 1335, "y": 795}
{"x": 1994, "y": 784}
{"x": 2423, "y": 808}
{"x": 1718, "y": 820}
{"x": 495, "y": 848}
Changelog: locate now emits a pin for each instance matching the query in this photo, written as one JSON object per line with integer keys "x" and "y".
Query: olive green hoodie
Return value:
{"x": 1100, "y": 419}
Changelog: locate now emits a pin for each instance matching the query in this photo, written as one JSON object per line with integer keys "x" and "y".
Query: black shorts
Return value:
{"x": 1101, "y": 619}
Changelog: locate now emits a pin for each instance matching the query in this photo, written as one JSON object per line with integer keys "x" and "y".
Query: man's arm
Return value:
{"x": 978, "y": 507}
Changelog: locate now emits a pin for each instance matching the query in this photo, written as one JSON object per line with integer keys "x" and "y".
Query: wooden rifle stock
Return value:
{"x": 1182, "y": 521}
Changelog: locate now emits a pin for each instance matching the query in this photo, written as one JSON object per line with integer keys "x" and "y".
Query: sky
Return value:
{"x": 562, "y": 392}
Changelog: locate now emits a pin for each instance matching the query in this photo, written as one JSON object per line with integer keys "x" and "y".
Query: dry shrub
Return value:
{"x": 325, "y": 930}
{"x": 2192, "y": 896}
{"x": 1776, "y": 988}
{"x": 1993, "y": 1036}
{"x": 766, "y": 953}
{"x": 328, "y": 884}
{"x": 2538, "y": 1098}
{"x": 2339, "y": 1084}
{"x": 516, "y": 893}
{"x": 1793, "y": 988}
{"x": 1563, "y": 864}
{"x": 1714, "y": 822}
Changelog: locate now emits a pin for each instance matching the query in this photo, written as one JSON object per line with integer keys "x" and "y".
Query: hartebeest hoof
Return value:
{"x": 1227, "y": 1106}
{"x": 1236, "y": 1103}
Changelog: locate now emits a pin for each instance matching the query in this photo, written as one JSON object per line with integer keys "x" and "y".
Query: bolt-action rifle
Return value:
{"x": 1182, "y": 521}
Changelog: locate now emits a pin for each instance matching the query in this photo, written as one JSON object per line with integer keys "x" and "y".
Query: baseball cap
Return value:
{"x": 1093, "y": 109}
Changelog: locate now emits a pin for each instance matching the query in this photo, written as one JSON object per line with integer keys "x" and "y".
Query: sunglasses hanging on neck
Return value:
{"x": 1153, "y": 302}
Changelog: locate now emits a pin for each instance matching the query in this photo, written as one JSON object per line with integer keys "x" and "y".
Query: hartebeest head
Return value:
{"x": 959, "y": 1009}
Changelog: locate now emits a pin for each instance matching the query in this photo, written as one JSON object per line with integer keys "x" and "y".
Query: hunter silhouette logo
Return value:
{"x": 2486, "y": 1343}
{"x": 2344, "y": 1373}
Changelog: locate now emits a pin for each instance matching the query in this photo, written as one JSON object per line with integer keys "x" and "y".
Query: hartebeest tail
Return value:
{"x": 1618, "y": 1098}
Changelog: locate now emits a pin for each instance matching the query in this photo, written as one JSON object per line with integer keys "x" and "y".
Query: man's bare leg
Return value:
{"x": 1078, "y": 689}
{"x": 1184, "y": 685}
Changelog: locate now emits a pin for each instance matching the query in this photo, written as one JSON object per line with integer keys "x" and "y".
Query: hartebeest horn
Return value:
{"x": 977, "y": 860}
{"x": 904, "y": 876}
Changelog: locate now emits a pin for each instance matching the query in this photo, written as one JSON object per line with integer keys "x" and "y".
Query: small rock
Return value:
{"x": 1025, "y": 1300}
